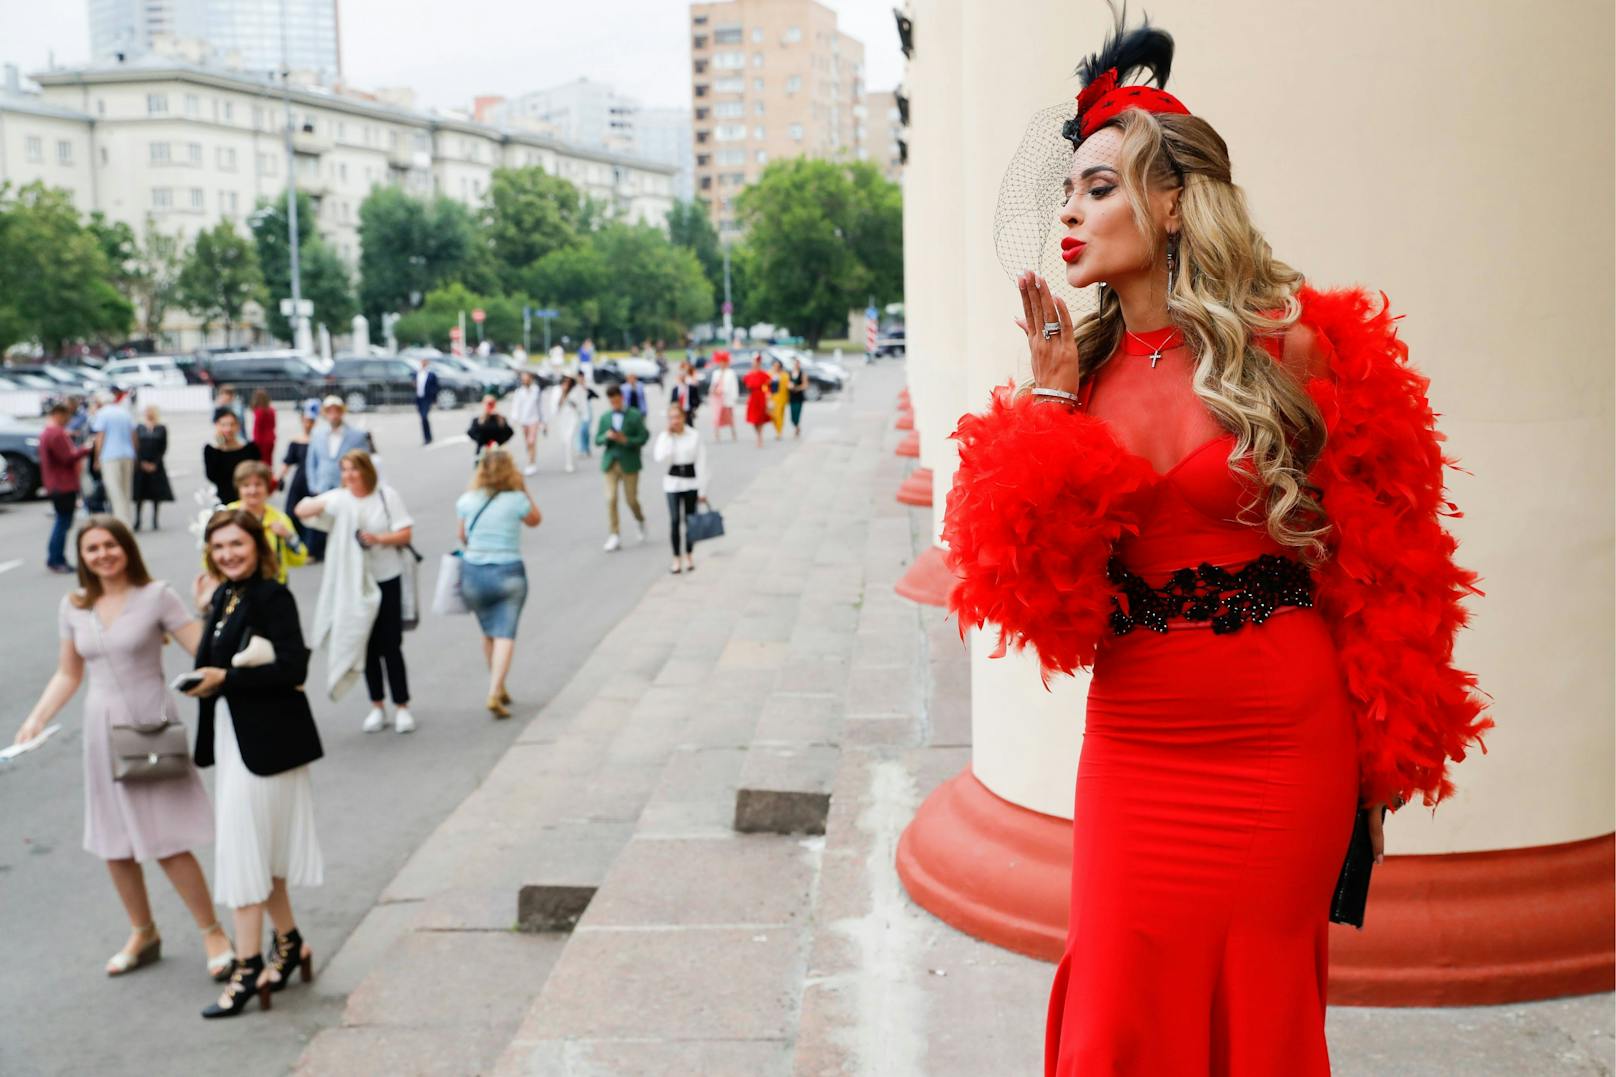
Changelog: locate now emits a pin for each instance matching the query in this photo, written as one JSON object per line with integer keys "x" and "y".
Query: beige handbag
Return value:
{"x": 144, "y": 753}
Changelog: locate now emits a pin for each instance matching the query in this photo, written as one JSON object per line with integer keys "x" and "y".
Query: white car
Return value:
{"x": 145, "y": 371}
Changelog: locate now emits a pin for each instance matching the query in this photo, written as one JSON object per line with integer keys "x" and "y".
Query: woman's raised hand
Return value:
{"x": 1054, "y": 355}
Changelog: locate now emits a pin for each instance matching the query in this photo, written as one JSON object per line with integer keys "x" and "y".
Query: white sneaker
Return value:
{"x": 570, "y": 469}
{"x": 531, "y": 469}
{"x": 639, "y": 532}
{"x": 375, "y": 720}
{"x": 403, "y": 721}
{"x": 612, "y": 542}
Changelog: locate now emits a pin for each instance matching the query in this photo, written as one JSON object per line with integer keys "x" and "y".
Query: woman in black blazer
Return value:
{"x": 256, "y": 726}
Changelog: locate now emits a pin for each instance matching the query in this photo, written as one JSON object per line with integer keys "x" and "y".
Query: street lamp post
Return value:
{"x": 300, "y": 324}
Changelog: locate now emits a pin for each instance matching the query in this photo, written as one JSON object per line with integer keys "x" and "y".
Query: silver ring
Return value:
{"x": 1051, "y": 329}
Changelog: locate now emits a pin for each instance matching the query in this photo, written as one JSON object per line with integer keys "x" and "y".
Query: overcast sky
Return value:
{"x": 451, "y": 50}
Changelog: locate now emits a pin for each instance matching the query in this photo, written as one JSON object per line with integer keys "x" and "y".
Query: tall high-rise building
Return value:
{"x": 663, "y": 134}
{"x": 581, "y": 112}
{"x": 769, "y": 79}
{"x": 883, "y": 127}
{"x": 242, "y": 34}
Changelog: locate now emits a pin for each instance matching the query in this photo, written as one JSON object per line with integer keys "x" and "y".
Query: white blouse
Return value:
{"x": 685, "y": 448}
{"x": 525, "y": 405}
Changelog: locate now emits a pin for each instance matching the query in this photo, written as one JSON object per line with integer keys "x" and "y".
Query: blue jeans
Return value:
{"x": 586, "y": 428}
{"x": 496, "y": 594}
{"x": 56, "y": 548}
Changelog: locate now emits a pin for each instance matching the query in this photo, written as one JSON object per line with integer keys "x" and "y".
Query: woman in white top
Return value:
{"x": 380, "y": 524}
{"x": 564, "y": 405}
{"x": 680, "y": 446}
{"x": 525, "y": 413}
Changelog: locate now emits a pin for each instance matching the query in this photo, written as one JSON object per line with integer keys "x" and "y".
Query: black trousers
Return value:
{"x": 386, "y": 645}
{"x": 681, "y": 504}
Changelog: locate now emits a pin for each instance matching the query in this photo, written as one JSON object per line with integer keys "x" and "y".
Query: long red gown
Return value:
{"x": 757, "y": 402}
{"x": 1215, "y": 793}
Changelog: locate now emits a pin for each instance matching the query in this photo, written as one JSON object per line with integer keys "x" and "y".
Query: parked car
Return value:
{"x": 372, "y": 382}
{"x": 889, "y": 344}
{"x": 285, "y": 375}
{"x": 19, "y": 446}
{"x": 498, "y": 379}
{"x": 823, "y": 376}
{"x": 144, "y": 371}
{"x": 467, "y": 386}
{"x": 62, "y": 379}
{"x": 614, "y": 371}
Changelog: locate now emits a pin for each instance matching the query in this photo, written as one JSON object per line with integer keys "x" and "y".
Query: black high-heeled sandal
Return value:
{"x": 289, "y": 951}
{"x": 241, "y": 989}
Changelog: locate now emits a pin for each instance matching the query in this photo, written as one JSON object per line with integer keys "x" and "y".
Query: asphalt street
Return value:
{"x": 377, "y": 796}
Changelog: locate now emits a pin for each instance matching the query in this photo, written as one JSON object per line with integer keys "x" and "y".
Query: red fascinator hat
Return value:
{"x": 1106, "y": 93}
{"x": 721, "y": 357}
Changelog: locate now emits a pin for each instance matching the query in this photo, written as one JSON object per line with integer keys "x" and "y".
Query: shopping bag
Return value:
{"x": 446, "y": 596}
{"x": 409, "y": 590}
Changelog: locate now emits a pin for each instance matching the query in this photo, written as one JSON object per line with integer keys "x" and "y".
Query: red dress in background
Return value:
{"x": 1215, "y": 792}
{"x": 263, "y": 434}
{"x": 757, "y": 384}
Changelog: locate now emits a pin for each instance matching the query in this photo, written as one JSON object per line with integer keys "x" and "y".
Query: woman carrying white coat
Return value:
{"x": 564, "y": 407}
{"x": 681, "y": 447}
{"x": 526, "y": 414}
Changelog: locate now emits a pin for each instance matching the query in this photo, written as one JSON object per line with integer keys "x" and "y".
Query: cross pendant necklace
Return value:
{"x": 1156, "y": 353}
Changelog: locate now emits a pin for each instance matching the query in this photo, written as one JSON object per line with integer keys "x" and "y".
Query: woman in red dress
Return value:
{"x": 757, "y": 382}
{"x": 1221, "y": 493}
{"x": 263, "y": 426}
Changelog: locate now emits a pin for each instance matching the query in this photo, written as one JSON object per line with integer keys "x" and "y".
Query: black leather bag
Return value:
{"x": 1352, "y": 886}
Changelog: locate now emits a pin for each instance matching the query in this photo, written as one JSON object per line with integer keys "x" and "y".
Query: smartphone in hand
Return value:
{"x": 186, "y": 681}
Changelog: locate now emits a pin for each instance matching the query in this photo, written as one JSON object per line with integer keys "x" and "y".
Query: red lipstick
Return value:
{"x": 1071, "y": 249}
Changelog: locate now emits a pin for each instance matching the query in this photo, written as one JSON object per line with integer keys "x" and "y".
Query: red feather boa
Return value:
{"x": 1041, "y": 496}
{"x": 1035, "y": 507}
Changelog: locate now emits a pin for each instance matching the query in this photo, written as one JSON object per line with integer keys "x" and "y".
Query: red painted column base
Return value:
{"x": 906, "y": 420}
{"x": 916, "y": 489}
{"x": 927, "y": 580}
{"x": 910, "y": 445}
{"x": 1453, "y": 929}
{"x": 903, "y": 397}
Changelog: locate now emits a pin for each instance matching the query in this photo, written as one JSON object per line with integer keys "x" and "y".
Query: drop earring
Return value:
{"x": 1172, "y": 260}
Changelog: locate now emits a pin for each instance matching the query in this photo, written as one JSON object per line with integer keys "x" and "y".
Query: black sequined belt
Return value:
{"x": 682, "y": 471}
{"x": 1209, "y": 593}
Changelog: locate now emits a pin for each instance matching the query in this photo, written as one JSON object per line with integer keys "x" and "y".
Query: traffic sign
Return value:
{"x": 477, "y": 315}
{"x": 546, "y": 313}
{"x": 305, "y": 308}
{"x": 871, "y": 313}
{"x": 729, "y": 308}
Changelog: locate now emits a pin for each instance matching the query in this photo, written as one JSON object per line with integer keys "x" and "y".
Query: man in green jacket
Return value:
{"x": 621, "y": 432}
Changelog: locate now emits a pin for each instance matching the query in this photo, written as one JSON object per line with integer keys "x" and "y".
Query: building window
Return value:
{"x": 36, "y": 148}
{"x": 792, "y": 35}
{"x": 100, "y": 106}
{"x": 159, "y": 153}
{"x": 757, "y": 84}
{"x": 227, "y": 158}
{"x": 757, "y": 133}
{"x": 727, "y": 35}
{"x": 162, "y": 197}
{"x": 266, "y": 164}
{"x": 727, "y": 109}
{"x": 762, "y": 157}
{"x": 156, "y": 104}
{"x": 193, "y": 152}
{"x": 732, "y": 157}
{"x": 793, "y": 84}
{"x": 757, "y": 35}
{"x": 796, "y": 132}
{"x": 699, "y": 41}
{"x": 193, "y": 105}
{"x": 734, "y": 84}
{"x": 757, "y": 59}
{"x": 198, "y": 199}
{"x": 227, "y": 202}
{"x": 342, "y": 131}
{"x": 342, "y": 171}
{"x": 729, "y": 132}
{"x": 757, "y": 108}
{"x": 729, "y": 60}
{"x": 104, "y": 157}
{"x": 228, "y": 111}
{"x": 64, "y": 152}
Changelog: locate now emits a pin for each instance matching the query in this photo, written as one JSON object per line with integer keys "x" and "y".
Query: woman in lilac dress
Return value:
{"x": 114, "y": 627}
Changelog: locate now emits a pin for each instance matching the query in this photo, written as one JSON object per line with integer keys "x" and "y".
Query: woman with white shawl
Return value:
{"x": 360, "y": 614}
{"x": 564, "y": 408}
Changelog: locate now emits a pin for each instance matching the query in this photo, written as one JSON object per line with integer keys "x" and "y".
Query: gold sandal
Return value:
{"x": 220, "y": 968}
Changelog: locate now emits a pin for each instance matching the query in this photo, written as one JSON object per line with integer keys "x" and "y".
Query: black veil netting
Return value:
{"x": 1026, "y": 234}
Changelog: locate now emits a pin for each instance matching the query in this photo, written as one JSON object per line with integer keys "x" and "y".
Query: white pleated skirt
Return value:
{"x": 264, "y": 827}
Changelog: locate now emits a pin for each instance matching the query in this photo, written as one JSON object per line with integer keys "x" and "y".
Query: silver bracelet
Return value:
{"x": 1057, "y": 394}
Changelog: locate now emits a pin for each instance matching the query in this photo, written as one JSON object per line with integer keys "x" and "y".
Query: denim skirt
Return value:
{"x": 495, "y": 594}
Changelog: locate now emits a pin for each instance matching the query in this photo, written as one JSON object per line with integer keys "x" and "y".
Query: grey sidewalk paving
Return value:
{"x": 785, "y": 669}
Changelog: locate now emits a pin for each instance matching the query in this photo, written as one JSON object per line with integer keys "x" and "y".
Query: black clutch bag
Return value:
{"x": 1352, "y": 887}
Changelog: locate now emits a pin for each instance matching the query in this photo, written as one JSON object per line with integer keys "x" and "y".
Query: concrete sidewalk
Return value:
{"x": 782, "y": 687}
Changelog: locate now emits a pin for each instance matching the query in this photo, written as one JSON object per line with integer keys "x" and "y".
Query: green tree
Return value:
{"x": 690, "y": 227}
{"x": 56, "y": 285}
{"x": 155, "y": 286}
{"x": 527, "y": 214}
{"x": 323, "y": 277}
{"x": 409, "y": 246}
{"x": 821, "y": 239}
{"x": 220, "y": 277}
{"x": 573, "y": 281}
{"x": 440, "y": 312}
{"x": 657, "y": 290}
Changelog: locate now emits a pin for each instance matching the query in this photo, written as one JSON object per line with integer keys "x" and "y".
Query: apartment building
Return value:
{"x": 769, "y": 79}
{"x": 181, "y": 147}
{"x": 883, "y": 127}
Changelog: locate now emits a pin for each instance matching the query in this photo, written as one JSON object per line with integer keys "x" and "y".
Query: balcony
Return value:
{"x": 405, "y": 159}
{"x": 309, "y": 141}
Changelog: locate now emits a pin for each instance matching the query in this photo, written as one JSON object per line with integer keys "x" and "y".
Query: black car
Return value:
{"x": 19, "y": 445}
{"x": 378, "y": 381}
{"x": 890, "y": 343}
{"x": 284, "y": 375}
